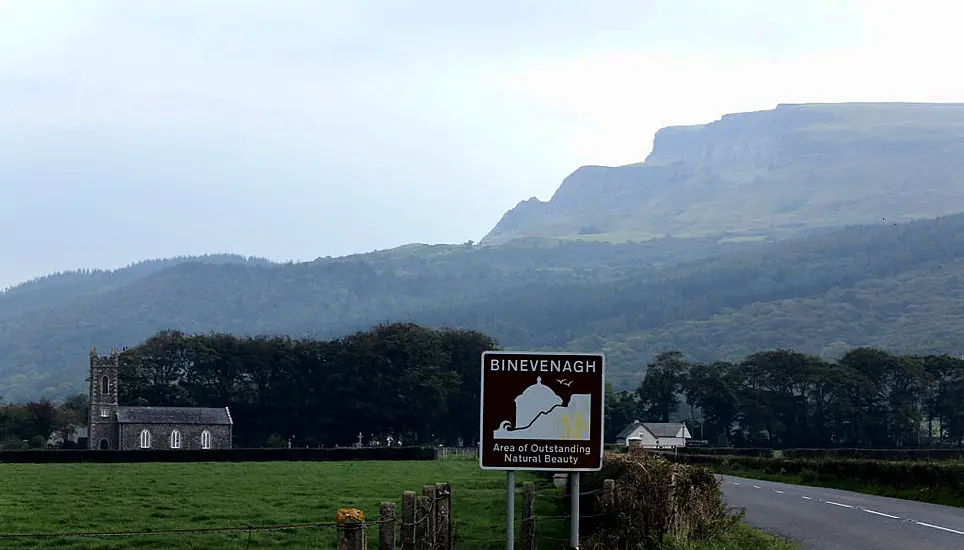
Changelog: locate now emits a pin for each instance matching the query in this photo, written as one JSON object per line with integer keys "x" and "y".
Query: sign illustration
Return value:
{"x": 542, "y": 411}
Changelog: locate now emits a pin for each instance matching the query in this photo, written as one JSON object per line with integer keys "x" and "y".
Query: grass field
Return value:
{"x": 96, "y": 498}
{"x": 53, "y": 498}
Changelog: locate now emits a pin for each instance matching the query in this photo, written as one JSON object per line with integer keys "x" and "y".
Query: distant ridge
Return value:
{"x": 764, "y": 175}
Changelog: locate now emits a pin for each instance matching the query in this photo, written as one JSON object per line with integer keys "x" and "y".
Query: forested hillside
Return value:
{"x": 54, "y": 289}
{"x": 46, "y": 325}
{"x": 893, "y": 285}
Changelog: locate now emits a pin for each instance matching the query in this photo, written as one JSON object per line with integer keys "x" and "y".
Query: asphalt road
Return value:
{"x": 828, "y": 519}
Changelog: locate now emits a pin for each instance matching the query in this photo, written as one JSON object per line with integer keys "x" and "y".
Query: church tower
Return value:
{"x": 103, "y": 396}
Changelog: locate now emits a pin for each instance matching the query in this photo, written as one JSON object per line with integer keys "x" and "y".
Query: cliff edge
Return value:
{"x": 764, "y": 174}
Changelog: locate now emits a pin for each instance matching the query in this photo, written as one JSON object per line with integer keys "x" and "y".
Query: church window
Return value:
{"x": 103, "y": 413}
{"x": 105, "y": 385}
{"x": 205, "y": 439}
{"x": 175, "y": 439}
{"x": 145, "y": 439}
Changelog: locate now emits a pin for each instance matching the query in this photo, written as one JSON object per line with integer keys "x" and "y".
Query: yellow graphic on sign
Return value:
{"x": 578, "y": 428}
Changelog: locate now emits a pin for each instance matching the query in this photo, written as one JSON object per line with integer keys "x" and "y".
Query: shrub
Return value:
{"x": 654, "y": 498}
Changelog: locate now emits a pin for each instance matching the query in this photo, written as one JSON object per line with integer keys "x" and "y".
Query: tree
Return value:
{"x": 712, "y": 388}
{"x": 621, "y": 409}
{"x": 659, "y": 392}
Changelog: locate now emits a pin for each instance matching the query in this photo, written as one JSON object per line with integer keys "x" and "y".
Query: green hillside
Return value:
{"x": 895, "y": 286}
{"x": 47, "y": 325}
{"x": 54, "y": 289}
{"x": 766, "y": 174}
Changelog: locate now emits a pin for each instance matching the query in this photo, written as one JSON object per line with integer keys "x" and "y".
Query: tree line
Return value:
{"x": 784, "y": 398}
{"x": 421, "y": 385}
{"x": 415, "y": 384}
{"x": 37, "y": 424}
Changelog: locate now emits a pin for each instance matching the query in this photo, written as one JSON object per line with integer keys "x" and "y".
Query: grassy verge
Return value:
{"x": 935, "y": 495}
{"x": 739, "y": 537}
{"x": 56, "y": 498}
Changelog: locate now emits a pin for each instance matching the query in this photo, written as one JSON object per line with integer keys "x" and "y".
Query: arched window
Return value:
{"x": 205, "y": 439}
{"x": 175, "y": 439}
{"x": 145, "y": 439}
{"x": 105, "y": 385}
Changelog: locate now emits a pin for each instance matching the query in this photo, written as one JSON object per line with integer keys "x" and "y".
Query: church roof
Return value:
{"x": 173, "y": 415}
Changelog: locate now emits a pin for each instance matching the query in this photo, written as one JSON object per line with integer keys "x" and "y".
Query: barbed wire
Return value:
{"x": 181, "y": 531}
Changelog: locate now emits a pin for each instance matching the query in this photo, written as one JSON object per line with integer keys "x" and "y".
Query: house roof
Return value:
{"x": 658, "y": 429}
{"x": 661, "y": 429}
{"x": 173, "y": 415}
{"x": 629, "y": 429}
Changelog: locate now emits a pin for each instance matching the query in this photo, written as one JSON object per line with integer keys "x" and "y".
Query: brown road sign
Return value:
{"x": 542, "y": 411}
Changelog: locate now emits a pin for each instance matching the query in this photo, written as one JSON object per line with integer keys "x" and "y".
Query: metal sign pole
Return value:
{"x": 574, "y": 510}
{"x": 509, "y": 509}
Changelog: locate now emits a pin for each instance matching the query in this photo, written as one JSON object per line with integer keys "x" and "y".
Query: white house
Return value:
{"x": 654, "y": 435}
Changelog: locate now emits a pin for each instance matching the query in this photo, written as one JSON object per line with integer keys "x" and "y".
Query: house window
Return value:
{"x": 145, "y": 439}
{"x": 103, "y": 413}
{"x": 205, "y": 439}
{"x": 175, "y": 439}
{"x": 104, "y": 385}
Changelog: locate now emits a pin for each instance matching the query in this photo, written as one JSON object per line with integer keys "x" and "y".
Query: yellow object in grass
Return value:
{"x": 349, "y": 515}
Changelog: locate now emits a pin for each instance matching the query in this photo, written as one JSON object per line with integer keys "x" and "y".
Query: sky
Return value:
{"x": 297, "y": 129}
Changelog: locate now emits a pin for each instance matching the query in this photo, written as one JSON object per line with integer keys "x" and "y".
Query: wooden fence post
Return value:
{"x": 423, "y": 513}
{"x": 609, "y": 495}
{"x": 386, "y": 526}
{"x": 528, "y": 538}
{"x": 351, "y": 529}
{"x": 431, "y": 530}
{"x": 443, "y": 517}
{"x": 408, "y": 521}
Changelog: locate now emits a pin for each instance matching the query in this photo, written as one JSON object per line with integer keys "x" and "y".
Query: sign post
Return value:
{"x": 542, "y": 411}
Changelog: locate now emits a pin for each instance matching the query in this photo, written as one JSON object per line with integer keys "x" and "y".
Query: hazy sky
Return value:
{"x": 134, "y": 129}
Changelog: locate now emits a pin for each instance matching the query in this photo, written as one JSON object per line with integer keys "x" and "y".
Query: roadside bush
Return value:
{"x": 878, "y": 454}
{"x": 892, "y": 473}
{"x": 654, "y": 499}
{"x": 729, "y": 451}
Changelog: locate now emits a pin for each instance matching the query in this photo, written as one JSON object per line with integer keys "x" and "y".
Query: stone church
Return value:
{"x": 113, "y": 427}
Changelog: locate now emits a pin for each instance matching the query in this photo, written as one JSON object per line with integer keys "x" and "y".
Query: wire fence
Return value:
{"x": 428, "y": 525}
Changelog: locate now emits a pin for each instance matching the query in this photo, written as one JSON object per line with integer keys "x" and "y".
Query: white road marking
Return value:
{"x": 838, "y": 504}
{"x": 876, "y": 513}
{"x": 955, "y": 531}
{"x": 880, "y": 513}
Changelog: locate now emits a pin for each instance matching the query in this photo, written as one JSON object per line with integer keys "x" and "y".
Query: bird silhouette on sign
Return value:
{"x": 565, "y": 382}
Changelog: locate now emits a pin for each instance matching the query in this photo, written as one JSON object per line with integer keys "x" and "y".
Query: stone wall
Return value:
{"x": 130, "y": 435}
{"x": 102, "y": 427}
